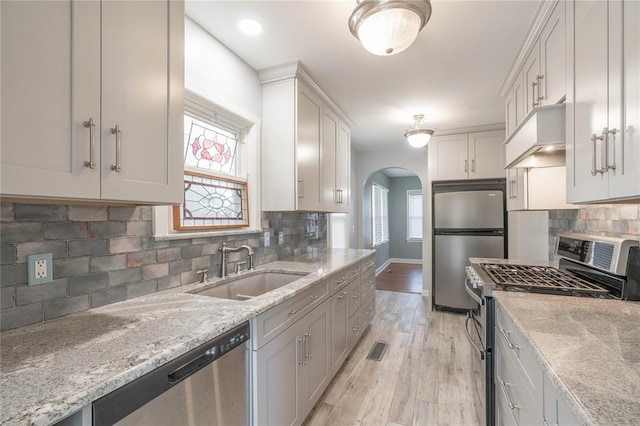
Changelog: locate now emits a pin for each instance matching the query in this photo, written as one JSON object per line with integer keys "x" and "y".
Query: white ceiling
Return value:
{"x": 452, "y": 73}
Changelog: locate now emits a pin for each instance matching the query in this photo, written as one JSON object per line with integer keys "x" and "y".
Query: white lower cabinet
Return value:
{"x": 339, "y": 327}
{"x": 292, "y": 370}
{"x": 556, "y": 409}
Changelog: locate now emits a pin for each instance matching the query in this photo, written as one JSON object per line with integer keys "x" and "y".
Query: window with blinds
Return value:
{"x": 380, "y": 214}
{"x": 414, "y": 215}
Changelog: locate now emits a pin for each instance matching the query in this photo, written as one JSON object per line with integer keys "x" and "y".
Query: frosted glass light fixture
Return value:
{"x": 418, "y": 135}
{"x": 387, "y": 27}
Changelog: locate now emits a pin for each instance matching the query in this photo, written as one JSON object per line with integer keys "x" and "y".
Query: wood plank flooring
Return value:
{"x": 425, "y": 377}
{"x": 401, "y": 277}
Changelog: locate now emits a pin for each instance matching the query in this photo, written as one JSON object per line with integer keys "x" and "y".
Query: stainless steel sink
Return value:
{"x": 250, "y": 286}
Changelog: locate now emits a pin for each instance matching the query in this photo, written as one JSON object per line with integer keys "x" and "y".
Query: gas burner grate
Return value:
{"x": 541, "y": 279}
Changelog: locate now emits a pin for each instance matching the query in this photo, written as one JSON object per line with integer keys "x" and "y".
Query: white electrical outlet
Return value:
{"x": 39, "y": 268}
{"x": 280, "y": 237}
{"x": 267, "y": 239}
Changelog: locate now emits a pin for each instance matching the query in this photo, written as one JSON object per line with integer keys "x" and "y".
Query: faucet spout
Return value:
{"x": 223, "y": 257}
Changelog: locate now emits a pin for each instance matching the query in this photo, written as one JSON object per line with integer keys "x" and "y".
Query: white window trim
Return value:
{"x": 233, "y": 117}
{"x": 385, "y": 223}
{"x": 409, "y": 238}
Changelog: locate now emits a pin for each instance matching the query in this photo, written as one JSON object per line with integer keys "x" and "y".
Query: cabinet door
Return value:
{"x": 448, "y": 157}
{"x": 510, "y": 112}
{"x": 339, "y": 334}
{"x": 587, "y": 109}
{"x": 553, "y": 57}
{"x": 278, "y": 369}
{"x": 142, "y": 96}
{"x": 329, "y": 156}
{"x": 531, "y": 79}
{"x": 50, "y": 82}
{"x": 624, "y": 145}
{"x": 309, "y": 149}
{"x": 516, "y": 189}
{"x": 519, "y": 98}
{"x": 343, "y": 166}
{"x": 486, "y": 155}
{"x": 318, "y": 357}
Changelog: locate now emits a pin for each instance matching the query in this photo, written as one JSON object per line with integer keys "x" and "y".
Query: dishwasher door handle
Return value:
{"x": 191, "y": 367}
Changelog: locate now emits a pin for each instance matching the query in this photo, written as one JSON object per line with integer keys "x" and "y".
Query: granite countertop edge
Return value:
{"x": 24, "y": 403}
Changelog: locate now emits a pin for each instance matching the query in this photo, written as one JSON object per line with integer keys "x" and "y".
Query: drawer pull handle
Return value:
{"x": 355, "y": 296}
{"x": 342, "y": 295}
{"x": 505, "y": 333}
{"x": 341, "y": 280}
{"x": 504, "y": 385}
{"x": 355, "y": 271}
{"x": 311, "y": 300}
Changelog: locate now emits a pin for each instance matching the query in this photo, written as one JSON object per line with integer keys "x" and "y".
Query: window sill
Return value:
{"x": 185, "y": 235}
{"x": 380, "y": 244}
{"x": 414, "y": 240}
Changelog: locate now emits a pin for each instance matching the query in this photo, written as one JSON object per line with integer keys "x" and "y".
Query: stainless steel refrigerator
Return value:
{"x": 469, "y": 220}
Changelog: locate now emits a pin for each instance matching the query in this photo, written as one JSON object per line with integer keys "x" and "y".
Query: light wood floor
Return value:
{"x": 425, "y": 377}
{"x": 401, "y": 277}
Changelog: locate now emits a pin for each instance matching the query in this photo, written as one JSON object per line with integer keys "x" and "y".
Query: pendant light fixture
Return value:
{"x": 387, "y": 27}
{"x": 418, "y": 135}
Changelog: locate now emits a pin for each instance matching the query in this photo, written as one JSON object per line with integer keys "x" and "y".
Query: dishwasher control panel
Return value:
{"x": 232, "y": 339}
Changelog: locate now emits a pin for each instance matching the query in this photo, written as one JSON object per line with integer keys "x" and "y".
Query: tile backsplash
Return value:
{"x": 106, "y": 254}
{"x": 613, "y": 220}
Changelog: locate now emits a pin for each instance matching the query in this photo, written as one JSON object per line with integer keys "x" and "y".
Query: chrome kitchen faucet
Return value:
{"x": 223, "y": 261}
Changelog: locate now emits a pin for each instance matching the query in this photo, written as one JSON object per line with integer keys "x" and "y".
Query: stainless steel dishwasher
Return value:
{"x": 206, "y": 386}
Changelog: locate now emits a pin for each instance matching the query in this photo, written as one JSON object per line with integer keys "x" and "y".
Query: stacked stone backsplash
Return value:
{"x": 105, "y": 254}
{"x": 613, "y": 220}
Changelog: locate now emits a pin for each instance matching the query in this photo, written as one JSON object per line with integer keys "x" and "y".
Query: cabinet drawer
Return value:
{"x": 355, "y": 297}
{"x": 355, "y": 329}
{"x": 512, "y": 393}
{"x": 522, "y": 353}
{"x": 367, "y": 284}
{"x": 271, "y": 323}
{"x": 368, "y": 309}
{"x": 340, "y": 280}
{"x": 367, "y": 264}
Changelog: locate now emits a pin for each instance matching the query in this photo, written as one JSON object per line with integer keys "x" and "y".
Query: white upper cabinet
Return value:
{"x": 603, "y": 113}
{"x": 467, "y": 156}
{"x": 541, "y": 78}
{"x": 79, "y": 70}
{"x": 553, "y": 57}
{"x": 305, "y": 145}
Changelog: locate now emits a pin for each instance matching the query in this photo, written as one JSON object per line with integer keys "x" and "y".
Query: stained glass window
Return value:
{"x": 211, "y": 202}
{"x": 208, "y": 147}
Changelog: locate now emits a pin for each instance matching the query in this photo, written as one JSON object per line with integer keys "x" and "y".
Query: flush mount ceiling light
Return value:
{"x": 250, "y": 27}
{"x": 418, "y": 135}
{"x": 387, "y": 27}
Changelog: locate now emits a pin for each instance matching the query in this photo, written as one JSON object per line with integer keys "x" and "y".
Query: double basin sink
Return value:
{"x": 245, "y": 287}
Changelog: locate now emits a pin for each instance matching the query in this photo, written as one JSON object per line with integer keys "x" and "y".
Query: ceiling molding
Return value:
{"x": 535, "y": 29}
{"x": 470, "y": 129}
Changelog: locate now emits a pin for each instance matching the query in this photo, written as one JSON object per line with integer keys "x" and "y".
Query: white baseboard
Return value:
{"x": 425, "y": 293}
{"x": 382, "y": 267}
{"x": 409, "y": 261}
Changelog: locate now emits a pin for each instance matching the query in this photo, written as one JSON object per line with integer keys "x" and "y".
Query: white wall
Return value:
{"x": 399, "y": 156}
{"x": 215, "y": 72}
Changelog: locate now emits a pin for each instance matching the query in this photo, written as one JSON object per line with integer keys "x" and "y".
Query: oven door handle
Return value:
{"x": 473, "y": 344}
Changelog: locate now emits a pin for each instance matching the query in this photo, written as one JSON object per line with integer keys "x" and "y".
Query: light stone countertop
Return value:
{"x": 52, "y": 369}
{"x": 590, "y": 349}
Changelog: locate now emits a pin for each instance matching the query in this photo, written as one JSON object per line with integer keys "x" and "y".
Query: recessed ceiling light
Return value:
{"x": 250, "y": 27}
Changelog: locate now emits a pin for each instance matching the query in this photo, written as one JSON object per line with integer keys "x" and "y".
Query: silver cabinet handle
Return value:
{"x": 311, "y": 300}
{"x": 505, "y": 333}
{"x": 534, "y": 102}
{"x": 594, "y": 139}
{"x": 357, "y": 326}
{"x": 308, "y": 356}
{"x": 355, "y": 271}
{"x": 466, "y": 166}
{"x": 504, "y": 385}
{"x": 606, "y": 132}
{"x": 355, "y": 296}
{"x": 300, "y": 188}
{"x": 302, "y": 360}
{"x": 473, "y": 165}
{"x": 341, "y": 280}
{"x": 117, "y": 131}
{"x": 342, "y": 295}
{"x": 91, "y": 125}
{"x": 466, "y": 330}
{"x": 540, "y": 97}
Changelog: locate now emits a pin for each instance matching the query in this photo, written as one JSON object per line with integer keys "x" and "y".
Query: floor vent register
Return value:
{"x": 377, "y": 351}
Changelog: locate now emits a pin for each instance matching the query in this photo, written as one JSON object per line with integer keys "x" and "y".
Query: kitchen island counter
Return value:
{"x": 52, "y": 369}
{"x": 589, "y": 348}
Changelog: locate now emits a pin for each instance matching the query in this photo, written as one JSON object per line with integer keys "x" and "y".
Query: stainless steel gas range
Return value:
{"x": 588, "y": 266}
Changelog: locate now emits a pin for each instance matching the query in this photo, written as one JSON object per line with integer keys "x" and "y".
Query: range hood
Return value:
{"x": 539, "y": 141}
